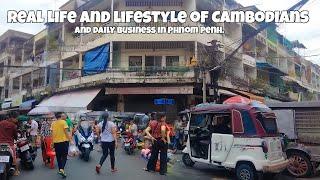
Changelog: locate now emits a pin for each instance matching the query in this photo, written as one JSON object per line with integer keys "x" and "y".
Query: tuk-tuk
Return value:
{"x": 237, "y": 137}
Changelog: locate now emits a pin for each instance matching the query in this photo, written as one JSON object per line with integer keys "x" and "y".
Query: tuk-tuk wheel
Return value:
{"x": 187, "y": 160}
{"x": 246, "y": 171}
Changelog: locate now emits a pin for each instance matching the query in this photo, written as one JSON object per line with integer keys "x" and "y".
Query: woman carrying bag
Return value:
{"x": 108, "y": 138}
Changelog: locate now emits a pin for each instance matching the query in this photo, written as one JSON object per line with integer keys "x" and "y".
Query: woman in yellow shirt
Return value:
{"x": 61, "y": 139}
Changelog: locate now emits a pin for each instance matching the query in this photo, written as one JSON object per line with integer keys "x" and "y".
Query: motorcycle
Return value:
{"x": 85, "y": 137}
{"x": 26, "y": 153}
{"x": 129, "y": 144}
{"x": 6, "y": 167}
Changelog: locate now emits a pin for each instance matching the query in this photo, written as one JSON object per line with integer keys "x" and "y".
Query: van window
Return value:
{"x": 198, "y": 120}
{"x": 220, "y": 123}
{"x": 268, "y": 122}
{"x": 249, "y": 128}
{"x": 237, "y": 123}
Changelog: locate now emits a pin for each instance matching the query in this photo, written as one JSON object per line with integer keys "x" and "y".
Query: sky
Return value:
{"x": 308, "y": 34}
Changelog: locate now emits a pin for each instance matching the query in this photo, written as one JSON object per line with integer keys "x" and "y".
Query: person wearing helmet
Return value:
{"x": 82, "y": 118}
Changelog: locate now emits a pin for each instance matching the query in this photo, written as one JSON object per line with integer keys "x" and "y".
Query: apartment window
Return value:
{"x": 9, "y": 61}
{"x": 153, "y": 62}
{"x": 1, "y": 69}
{"x": 6, "y": 93}
{"x": 16, "y": 83}
{"x": 135, "y": 63}
{"x": 172, "y": 61}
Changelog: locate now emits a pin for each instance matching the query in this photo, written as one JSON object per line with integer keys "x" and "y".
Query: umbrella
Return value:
{"x": 260, "y": 106}
{"x": 39, "y": 110}
{"x": 23, "y": 118}
{"x": 237, "y": 99}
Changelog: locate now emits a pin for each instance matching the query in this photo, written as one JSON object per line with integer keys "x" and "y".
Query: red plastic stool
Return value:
{"x": 49, "y": 150}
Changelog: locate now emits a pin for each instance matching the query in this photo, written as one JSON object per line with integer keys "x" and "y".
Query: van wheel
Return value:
{"x": 299, "y": 165}
{"x": 245, "y": 171}
{"x": 187, "y": 160}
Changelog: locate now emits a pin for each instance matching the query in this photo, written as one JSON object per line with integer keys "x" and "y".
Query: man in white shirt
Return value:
{"x": 33, "y": 131}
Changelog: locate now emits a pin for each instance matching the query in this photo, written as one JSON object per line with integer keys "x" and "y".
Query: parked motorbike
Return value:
{"x": 85, "y": 137}
{"x": 128, "y": 143}
{"x": 26, "y": 153}
{"x": 6, "y": 167}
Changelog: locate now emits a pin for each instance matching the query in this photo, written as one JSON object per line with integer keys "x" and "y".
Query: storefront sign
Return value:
{"x": 151, "y": 90}
{"x": 164, "y": 101}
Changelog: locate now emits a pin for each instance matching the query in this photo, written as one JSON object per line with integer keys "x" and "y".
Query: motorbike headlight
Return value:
{"x": 90, "y": 138}
{"x": 82, "y": 139}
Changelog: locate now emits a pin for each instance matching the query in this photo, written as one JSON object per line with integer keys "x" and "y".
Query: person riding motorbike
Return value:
{"x": 8, "y": 134}
{"x": 85, "y": 135}
{"x": 133, "y": 128}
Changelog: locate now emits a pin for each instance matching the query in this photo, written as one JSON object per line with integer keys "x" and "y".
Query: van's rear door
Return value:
{"x": 272, "y": 139}
{"x": 274, "y": 148}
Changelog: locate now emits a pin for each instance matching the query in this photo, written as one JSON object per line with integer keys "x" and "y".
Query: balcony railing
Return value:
{"x": 70, "y": 74}
{"x": 132, "y": 71}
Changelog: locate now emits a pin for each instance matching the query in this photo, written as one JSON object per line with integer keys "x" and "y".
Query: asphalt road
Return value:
{"x": 130, "y": 167}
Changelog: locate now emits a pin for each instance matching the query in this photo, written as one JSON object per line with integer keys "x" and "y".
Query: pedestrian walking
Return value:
{"x": 61, "y": 138}
{"x": 178, "y": 127}
{"x": 108, "y": 138}
{"x": 158, "y": 132}
{"x": 33, "y": 131}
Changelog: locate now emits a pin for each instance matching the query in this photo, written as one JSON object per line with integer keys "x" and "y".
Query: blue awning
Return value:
{"x": 27, "y": 105}
{"x": 269, "y": 67}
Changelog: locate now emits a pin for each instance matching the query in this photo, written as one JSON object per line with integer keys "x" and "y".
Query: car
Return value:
{"x": 236, "y": 137}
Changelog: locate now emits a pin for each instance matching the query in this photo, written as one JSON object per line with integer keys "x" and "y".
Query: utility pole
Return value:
{"x": 204, "y": 85}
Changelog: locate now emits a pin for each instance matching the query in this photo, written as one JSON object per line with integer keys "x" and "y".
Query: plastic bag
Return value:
{"x": 73, "y": 151}
{"x": 146, "y": 153}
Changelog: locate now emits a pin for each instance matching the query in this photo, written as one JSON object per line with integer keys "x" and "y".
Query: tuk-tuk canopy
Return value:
{"x": 212, "y": 107}
{"x": 244, "y": 117}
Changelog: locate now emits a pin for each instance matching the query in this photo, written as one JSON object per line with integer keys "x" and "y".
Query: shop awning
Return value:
{"x": 253, "y": 96}
{"x": 226, "y": 92}
{"x": 151, "y": 90}
{"x": 41, "y": 111}
{"x": 269, "y": 67}
{"x": 27, "y": 105}
{"x": 70, "y": 102}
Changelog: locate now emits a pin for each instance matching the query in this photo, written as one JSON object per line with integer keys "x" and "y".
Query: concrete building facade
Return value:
{"x": 145, "y": 67}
